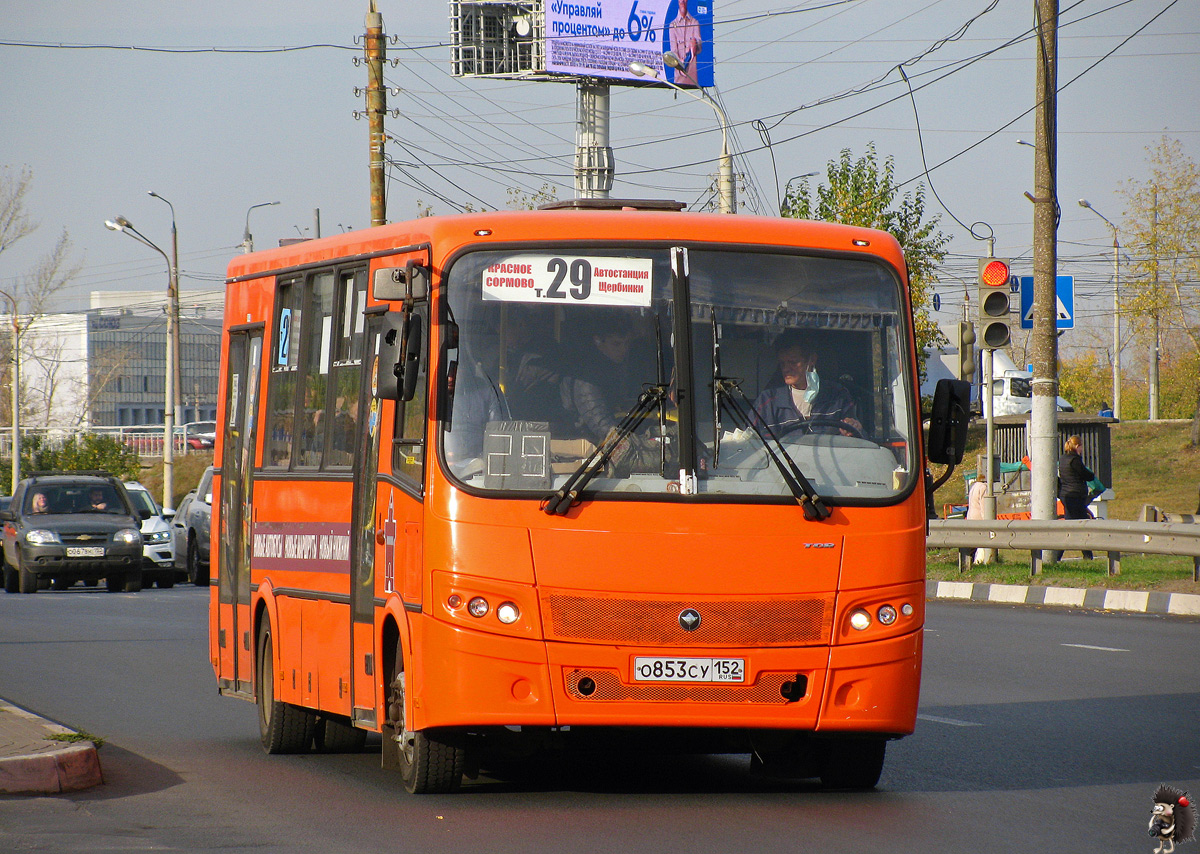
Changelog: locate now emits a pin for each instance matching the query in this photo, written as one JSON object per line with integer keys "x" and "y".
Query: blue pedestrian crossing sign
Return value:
{"x": 1064, "y": 287}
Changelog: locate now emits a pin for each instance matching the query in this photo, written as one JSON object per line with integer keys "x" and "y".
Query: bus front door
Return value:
{"x": 363, "y": 671}
{"x": 234, "y": 535}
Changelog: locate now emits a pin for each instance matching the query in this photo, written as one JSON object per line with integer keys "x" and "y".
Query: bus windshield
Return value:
{"x": 556, "y": 348}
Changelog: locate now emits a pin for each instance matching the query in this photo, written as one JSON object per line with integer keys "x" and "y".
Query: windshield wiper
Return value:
{"x": 561, "y": 501}
{"x": 730, "y": 394}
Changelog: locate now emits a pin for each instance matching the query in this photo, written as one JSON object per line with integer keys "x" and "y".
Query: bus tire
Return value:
{"x": 282, "y": 727}
{"x": 338, "y": 735}
{"x": 428, "y": 762}
{"x": 852, "y": 763}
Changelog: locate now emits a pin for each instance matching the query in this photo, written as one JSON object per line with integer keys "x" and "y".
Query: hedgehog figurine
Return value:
{"x": 1173, "y": 819}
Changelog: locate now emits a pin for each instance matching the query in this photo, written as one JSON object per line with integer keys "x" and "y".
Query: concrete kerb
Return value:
{"x": 31, "y": 762}
{"x": 1096, "y": 598}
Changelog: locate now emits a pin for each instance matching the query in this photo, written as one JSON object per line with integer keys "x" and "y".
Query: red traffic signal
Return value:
{"x": 993, "y": 273}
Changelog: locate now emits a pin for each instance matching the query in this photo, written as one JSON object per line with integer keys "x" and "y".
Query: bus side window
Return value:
{"x": 408, "y": 462}
{"x": 318, "y": 330}
{"x": 284, "y": 374}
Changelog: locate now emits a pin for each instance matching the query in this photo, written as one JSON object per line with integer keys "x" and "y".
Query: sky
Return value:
{"x": 225, "y": 104}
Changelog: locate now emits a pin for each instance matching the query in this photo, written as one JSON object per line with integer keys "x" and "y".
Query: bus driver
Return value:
{"x": 805, "y": 395}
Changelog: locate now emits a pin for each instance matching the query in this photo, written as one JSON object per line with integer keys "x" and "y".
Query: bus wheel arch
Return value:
{"x": 429, "y": 761}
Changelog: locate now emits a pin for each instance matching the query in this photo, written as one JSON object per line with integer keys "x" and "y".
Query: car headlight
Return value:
{"x": 39, "y": 537}
{"x": 158, "y": 537}
{"x": 128, "y": 536}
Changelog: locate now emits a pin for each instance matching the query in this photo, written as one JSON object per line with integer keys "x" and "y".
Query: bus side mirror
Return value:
{"x": 396, "y": 283}
{"x": 390, "y": 357}
{"x": 410, "y": 370}
{"x": 948, "y": 422}
{"x": 400, "y": 356}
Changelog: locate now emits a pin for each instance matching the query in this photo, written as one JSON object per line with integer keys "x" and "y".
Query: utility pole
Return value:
{"x": 375, "y": 45}
{"x": 1154, "y": 332}
{"x": 1043, "y": 426}
{"x": 16, "y": 395}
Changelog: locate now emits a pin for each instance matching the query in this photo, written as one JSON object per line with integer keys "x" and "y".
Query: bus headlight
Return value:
{"x": 478, "y": 607}
{"x": 886, "y": 614}
{"x": 508, "y": 613}
{"x": 860, "y": 620}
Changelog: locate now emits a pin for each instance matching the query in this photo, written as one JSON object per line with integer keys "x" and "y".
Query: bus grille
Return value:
{"x": 645, "y": 622}
{"x": 607, "y": 685}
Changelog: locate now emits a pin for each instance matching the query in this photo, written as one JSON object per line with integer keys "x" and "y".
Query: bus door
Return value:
{"x": 237, "y": 466}
{"x": 363, "y": 671}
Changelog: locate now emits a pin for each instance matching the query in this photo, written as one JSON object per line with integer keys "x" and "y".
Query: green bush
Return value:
{"x": 82, "y": 452}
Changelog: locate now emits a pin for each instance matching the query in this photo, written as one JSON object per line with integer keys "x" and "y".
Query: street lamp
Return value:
{"x": 1084, "y": 203}
{"x": 728, "y": 201}
{"x": 247, "y": 238}
{"x": 125, "y": 226}
{"x": 174, "y": 349}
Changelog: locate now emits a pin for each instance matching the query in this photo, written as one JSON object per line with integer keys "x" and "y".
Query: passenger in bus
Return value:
{"x": 534, "y": 370}
{"x": 475, "y": 400}
{"x": 805, "y": 394}
{"x": 605, "y": 385}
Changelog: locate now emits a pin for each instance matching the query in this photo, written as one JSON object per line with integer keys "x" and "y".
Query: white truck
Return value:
{"x": 1012, "y": 387}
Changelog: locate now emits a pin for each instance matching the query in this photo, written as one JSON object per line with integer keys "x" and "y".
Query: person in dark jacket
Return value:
{"x": 1073, "y": 477}
{"x": 806, "y": 395}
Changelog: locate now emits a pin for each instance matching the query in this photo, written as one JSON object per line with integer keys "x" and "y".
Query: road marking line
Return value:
{"x": 1089, "y": 646}
{"x": 951, "y": 721}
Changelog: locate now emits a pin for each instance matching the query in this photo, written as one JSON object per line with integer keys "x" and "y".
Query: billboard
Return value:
{"x": 599, "y": 38}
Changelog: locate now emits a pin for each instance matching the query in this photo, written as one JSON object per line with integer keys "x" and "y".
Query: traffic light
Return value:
{"x": 966, "y": 350}
{"x": 994, "y": 295}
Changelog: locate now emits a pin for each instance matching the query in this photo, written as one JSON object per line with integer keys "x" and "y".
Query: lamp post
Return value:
{"x": 123, "y": 225}
{"x": 247, "y": 238}
{"x": 787, "y": 188}
{"x": 1084, "y": 203}
{"x": 174, "y": 351}
{"x": 728, "y": 200}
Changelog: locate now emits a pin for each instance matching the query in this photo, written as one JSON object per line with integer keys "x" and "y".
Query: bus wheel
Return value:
{"x": 283, "y": 728}
{"x": 428, "y": 762}
{"x": 338, "y": 735}
{"x": 852, "y": 763}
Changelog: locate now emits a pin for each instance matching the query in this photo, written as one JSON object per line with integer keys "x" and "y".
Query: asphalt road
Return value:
{"x": 1040, "y": 730}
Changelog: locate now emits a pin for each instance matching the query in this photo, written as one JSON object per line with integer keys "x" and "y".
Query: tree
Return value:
{"x": 863, "y": 192}
{"x": 1162, "y": 228}
{"x": 37, "y": 291}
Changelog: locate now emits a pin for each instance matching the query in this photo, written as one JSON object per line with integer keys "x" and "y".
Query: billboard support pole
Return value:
{"x": 593, "y": 154}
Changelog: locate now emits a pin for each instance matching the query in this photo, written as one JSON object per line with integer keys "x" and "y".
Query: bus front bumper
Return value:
{"x": 499, "y": 681}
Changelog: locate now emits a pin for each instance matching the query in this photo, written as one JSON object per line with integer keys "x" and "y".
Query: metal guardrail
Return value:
{"x": 1097, "y": 535}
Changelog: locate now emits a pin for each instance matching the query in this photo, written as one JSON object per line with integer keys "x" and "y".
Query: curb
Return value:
{"x": 1095, "y": 598}
{"x": 31, "y": 763}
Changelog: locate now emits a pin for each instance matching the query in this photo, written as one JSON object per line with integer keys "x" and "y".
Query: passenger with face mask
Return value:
{"x": 806, "y": 395}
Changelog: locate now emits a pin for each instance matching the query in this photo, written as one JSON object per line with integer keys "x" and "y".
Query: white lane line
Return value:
{"x": 1100, "y": 648}
{"x": 951, "y": 721}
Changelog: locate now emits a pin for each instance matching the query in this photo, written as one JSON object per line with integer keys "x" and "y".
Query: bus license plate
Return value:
{"x": 85, "y": 551}
{"x": 689, "y": 670}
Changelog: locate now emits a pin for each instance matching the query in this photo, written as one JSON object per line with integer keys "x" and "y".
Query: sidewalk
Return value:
{"x": 1095, "y": 598}
{"x": 32, "y": 763}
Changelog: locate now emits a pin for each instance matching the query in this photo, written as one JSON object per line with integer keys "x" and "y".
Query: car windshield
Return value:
{"x": 142, "y": 501}
{"x": 74, "y": 498}
{"x": 555, "y": 350}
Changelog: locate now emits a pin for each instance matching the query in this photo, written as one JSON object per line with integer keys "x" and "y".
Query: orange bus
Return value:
{"x": 581, "y": 472}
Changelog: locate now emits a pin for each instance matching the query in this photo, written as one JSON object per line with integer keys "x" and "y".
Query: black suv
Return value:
{"x": 64, "y": 528}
